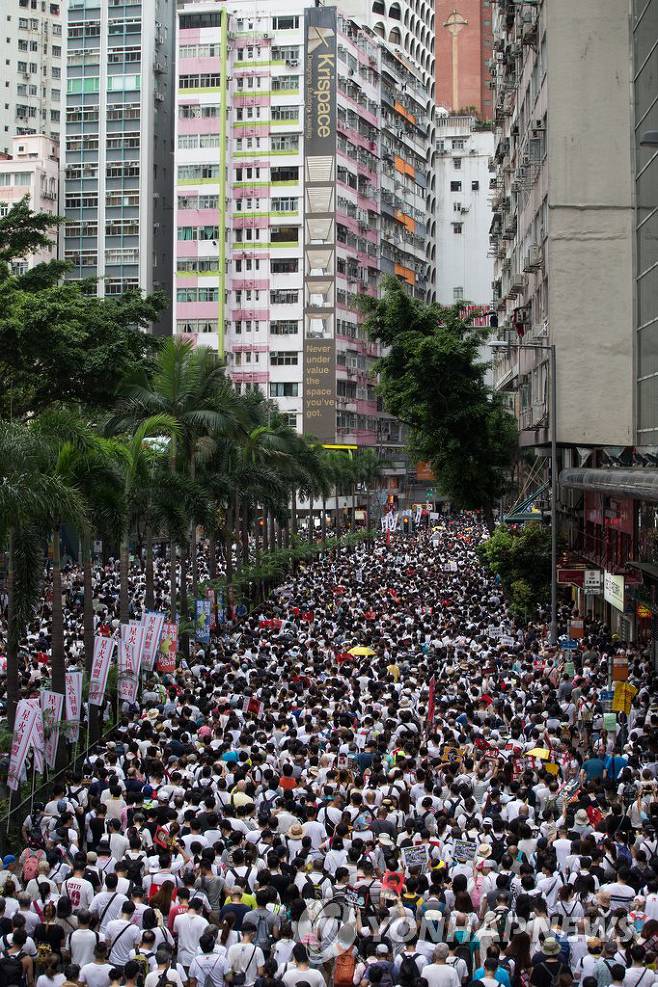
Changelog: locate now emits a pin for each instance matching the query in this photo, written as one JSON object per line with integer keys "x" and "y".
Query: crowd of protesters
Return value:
{"x": 380, "y": 778}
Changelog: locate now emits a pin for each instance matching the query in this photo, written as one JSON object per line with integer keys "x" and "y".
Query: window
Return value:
{"x": 288, "y": 266}
{"x": 457, "y": 162}
{"x": 285, "y": 205}
{"x": 197, "y": 295}
{"x": 285, "y": 53}
{"x": 206, "y": 80}
{"x": 90, "y": 84}
{"x": 123, "y": 83}
{"x": 455, "y": 186}
{"x": 285, "y": 82}
{"x": 197, "y": 233}
{"x": 457, "y": 227}
{"x": 284, "y": 327}
{"x": 458, "y": 144}
{"x": 285, "y": 23}
{"x": 189, "y": 111}
{"x": 287, "y": 390}
{"x": 198, "y": 51}
{"x": 196, "y": 325}
{"x": 286, "y": 144}
{"x": 285, "y": 113}
{"x": 475, "y": 186}
{"x": 457, "y": 294}
{"x": 194, "y": 21}
{"x": 123, "y": 169}
{"x": 284, "y": 359}
{"x": 284, "y": 234}
{"x": 197, "y": 172}
{"x": 290, "y": 419}
{"x": 284, "y": 296}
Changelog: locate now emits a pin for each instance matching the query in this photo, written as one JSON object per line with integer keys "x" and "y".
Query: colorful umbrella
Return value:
{"x": 361, "y": 651}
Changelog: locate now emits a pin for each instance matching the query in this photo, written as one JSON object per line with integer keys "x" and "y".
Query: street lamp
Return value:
{"x": 497, "y": 344}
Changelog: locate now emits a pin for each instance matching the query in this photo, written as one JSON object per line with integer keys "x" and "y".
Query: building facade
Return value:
{"x": 33, "y": 69}
{"x": 645, "y": 85}
{"x": 32, "y": 170}
{"x": 118, "y": 144}
{"x": 301, "y": 156}
{"x": 464, "y": 267}
{"x": 464, "y": 40}
{"x": 563, "y": 218}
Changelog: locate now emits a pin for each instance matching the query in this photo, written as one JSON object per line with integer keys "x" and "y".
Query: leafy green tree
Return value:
{"x": 433, "y": 380}
{"x": 58, "y": 341}
{"x": 521, "y": 558}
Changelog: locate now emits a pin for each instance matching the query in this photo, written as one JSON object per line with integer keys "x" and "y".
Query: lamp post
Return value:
{"x": 552, "y": 411}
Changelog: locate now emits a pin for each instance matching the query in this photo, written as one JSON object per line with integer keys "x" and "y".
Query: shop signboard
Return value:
{"x": 613, "y": 590}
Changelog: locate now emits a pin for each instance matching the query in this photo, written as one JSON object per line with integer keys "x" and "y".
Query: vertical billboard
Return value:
{"x": 319, "y": 379}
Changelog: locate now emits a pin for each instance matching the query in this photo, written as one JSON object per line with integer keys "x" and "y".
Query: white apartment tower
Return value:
{"x": 32, "y": 69}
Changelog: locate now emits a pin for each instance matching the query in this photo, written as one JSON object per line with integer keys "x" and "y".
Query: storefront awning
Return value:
{"x": 646, "y": 568}
{"x": 640, "y": 483}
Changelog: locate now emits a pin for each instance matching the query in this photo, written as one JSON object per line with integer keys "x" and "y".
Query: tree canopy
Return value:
{"x": 58, "y": 341}
{"x": 433, "y": 380}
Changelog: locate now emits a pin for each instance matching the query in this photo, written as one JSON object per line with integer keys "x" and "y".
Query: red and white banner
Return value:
{"x": 26, "y": 717}
{"x": 103, "y": 651}
{"x": 168, "y": 647}
{"x": 130, "y": 646}
{"x": 152, "y": 624}
{"x": 73, "y": 697}
{"x": 51, "y": 706}
{"x": 38, "y": 739}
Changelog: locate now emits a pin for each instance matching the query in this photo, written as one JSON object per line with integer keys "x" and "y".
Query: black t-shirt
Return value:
{"x": 547, "y": 970}
{"x": 52, "y": 934}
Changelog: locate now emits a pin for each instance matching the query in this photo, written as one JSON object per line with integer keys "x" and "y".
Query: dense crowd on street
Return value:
{"x": 381, "y": 777}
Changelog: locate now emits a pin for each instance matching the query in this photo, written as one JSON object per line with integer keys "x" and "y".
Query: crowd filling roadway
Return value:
{"x": 380, "y": 777}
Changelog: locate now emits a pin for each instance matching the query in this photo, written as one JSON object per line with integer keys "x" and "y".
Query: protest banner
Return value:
{"x": 415, "y": 856}
{"x": 464, "y": 851}
{"x": 26, "y": 716}
{"x": 211, "y": 597}
{"x": 151, "y": 631}
{"x": 168, "y": 647}
{"x": 251, "y": 705}
{"x": 52, "y": 704}
{"x": 130, "y": 647}
{"x": 202, "y": 621}
{"x": 38, "y": 739}
{"x": 103, "y": 650}
{"x": 73, "y": 707}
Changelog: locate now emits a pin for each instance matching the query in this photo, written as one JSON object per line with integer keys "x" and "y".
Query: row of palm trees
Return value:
{"x": 180, "y": 451}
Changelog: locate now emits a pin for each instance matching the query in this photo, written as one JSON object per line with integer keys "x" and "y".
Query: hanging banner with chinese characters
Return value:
{"x": 26, "y": 717}
{"x": 103, "y": 651}
{"x": 52, "y": 704}
{"x": 73, "y": 699}
{"x": 152, "y": 624}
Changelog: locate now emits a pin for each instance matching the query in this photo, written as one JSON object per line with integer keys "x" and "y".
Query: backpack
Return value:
{"x": 408, "y": 975}
{"x": 312, "y": 890}
{"x": 44, "y": 952}
{"x": 387, "y": 972}
{"x": 624, "y": 855}
{"x": 31, "y": 864}
{"x": 628, "y": 794}
{"x": 12, "y": 973}
{"x": 344, "y": 969}
{"x": 555, "y": 975}
{"x": 134, "y": 870}
{"x": 262, "y": 937}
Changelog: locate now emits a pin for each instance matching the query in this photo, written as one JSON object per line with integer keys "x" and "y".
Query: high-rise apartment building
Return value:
{"x": 118, "y": 163}
{"x": 464, "y": 266}
{"x": 464, "y": 40}
{"x": 302, "y": 142}
{"x": 562, "y": 220}
{"x": 32, "y": 169}
{"x": 32, "y": 69}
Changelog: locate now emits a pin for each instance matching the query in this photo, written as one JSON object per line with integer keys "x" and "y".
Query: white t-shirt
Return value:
{"x": 96, "y": 974}
{"x": 440, "y": 975}
{"x": 245, "y": 958}
{"x": 173, "y": 977}
{"x": 121, "y": 936}
{"x": 188, "y": 929}
{"x": 293, "y": 976}
{"x": 82, "y": 944}
{"x": 209, "y": 968}
{"x": 80, "y": 891}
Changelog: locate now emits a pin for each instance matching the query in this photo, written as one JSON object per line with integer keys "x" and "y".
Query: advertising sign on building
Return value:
{"x": 592, "y": 582}
{"x": 320, "y": 68}
{"x": 613, "y": 590}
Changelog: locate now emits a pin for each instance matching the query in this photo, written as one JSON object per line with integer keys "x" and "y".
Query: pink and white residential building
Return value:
{"x": 32, "y": 170}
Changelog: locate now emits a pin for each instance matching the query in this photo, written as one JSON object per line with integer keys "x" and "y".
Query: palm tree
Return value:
{"x": 370, "y": 474}
{"x": 28, "y": 490}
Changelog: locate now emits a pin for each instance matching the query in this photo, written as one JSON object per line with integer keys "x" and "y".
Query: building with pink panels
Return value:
{"x": 301, "y": 177}
{"x": 32, "y": 170}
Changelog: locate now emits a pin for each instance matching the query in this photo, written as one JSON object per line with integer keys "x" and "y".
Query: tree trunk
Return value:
{"x": 310, "y": 519}
{"x": 266, "y": 533}
{"x": 149, "y": 581}
{"x": 12, "y": 635}
{"x": 257, "y": 539}
{"x": 124, "y": 563}
{"x": 293, "y": 512}
{"x": 88, "y": 603}
{"x": 244, "y": 532}
{"x": 323, "y": 521}
{"x": 184, "y": 608}
{"x": 227, "y": 536}
{"x": 212, "y": 555}
{"x": 236, "y": 531}
{"x": 57, "y": 661}
{"x": 337, "y": 517}
{"x": 279, "y": 536}
{"x": 272, "y": 538}
{"x": 286, "y": 533}
{"x": 193, "y": 561}
{"x": 368, "y": 520}
{"x": 173, "y": 565}
{"x": 353, "y": 520}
